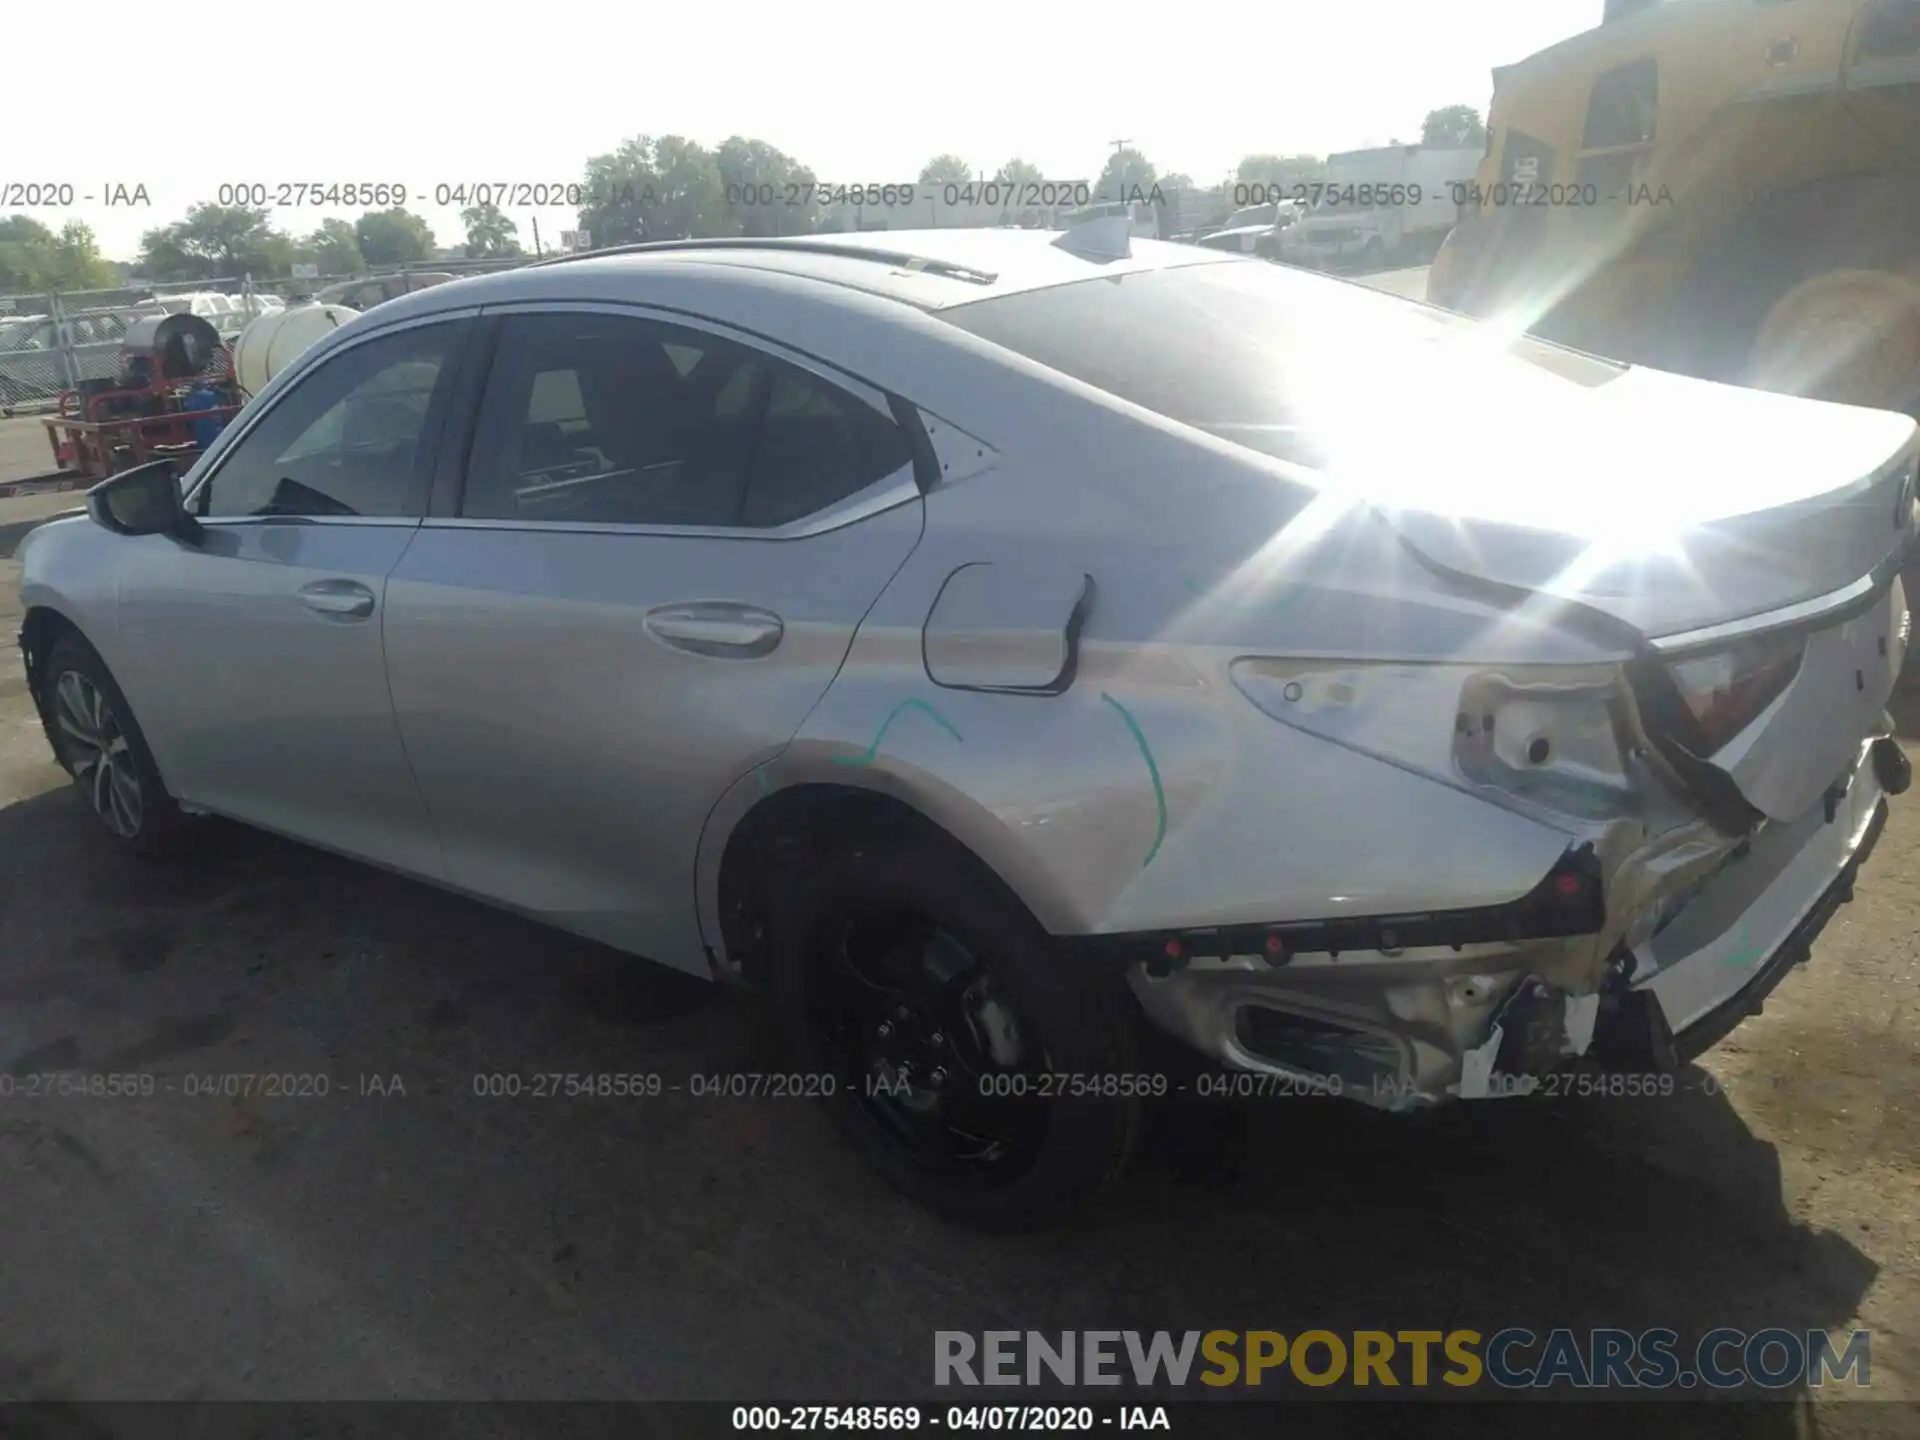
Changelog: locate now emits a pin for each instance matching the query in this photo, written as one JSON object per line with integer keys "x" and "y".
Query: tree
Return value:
{"x": 278, "y": 254}
{"x": 212, "y": 241}
{"x": 336, "y": 249}
{"x": 1128, "y": 175}
{"x": 489, "y": 232}
{"x": 1019, "y": 172}
{"x": 163, "y": 257}
{"x": 1454, "y": 126}
{"x": 765, "y": 190}
{"x": 1179, "y": 180}
{"x": 692, "y": 199}
{"x": 655, "y": 189}
{"x": 945, "y": 170}
{"x": 25, "y": 247}
{"x": 393, "y": 237}
{"x": 32, "y": 257}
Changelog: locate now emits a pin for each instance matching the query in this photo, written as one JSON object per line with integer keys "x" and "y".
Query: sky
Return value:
{"x": 861, "y": 91}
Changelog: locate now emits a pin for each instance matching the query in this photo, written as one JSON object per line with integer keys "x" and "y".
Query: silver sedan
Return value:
{"x": 984, "y": 640}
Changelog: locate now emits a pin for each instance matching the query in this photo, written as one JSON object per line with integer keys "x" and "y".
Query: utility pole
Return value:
{"x": 536, "y": 238}
{"x": 1120, "y": 170}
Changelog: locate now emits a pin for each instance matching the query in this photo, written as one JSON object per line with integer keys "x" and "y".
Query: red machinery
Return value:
{"x": 174, "y": 393}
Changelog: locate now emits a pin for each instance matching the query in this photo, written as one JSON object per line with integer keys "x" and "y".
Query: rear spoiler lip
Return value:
{"x": 1820, "y": 611}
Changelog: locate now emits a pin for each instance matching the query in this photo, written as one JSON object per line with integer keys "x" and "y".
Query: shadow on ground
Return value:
{"x": 1301, "y": 1215}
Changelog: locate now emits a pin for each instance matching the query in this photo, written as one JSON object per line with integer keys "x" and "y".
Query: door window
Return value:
{"x": 610, "y": 419}
{"x": 354, "y": 437}
{"x": 817, "y": 445}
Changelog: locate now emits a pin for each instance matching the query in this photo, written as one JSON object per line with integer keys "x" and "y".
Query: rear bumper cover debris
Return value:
{"x": 1425, "y": 1012}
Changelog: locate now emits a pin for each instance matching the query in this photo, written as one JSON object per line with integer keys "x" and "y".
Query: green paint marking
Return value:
{"x": 881, "y": 734}
{"x": 1159, "y": 794}
{"x": 1745, "y": 952}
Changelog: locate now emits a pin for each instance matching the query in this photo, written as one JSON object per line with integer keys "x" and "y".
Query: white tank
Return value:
{"x": 272, "y": 340}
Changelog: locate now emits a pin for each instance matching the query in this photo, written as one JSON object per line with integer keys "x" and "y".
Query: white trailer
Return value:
{"x": 1394, "y": 203}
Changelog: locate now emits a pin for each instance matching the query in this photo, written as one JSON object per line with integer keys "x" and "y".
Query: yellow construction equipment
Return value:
{"x": 1727, "y": 188}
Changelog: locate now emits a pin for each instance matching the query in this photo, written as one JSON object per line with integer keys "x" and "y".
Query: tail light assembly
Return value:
{"x": 1727, "y": 689}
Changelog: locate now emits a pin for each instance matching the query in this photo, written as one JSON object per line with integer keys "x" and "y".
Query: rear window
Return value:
{"x": 1280, "y": 360}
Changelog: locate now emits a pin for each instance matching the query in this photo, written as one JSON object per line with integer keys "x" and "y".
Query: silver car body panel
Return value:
{"x": 1043, "y": 647}
{"x": 570, "y": 750}
{"x": 263, "y": 703}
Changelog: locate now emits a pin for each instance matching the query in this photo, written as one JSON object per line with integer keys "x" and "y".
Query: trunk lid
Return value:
{"x": 1697, "y": 514}
{"x": 1671, "y": 504}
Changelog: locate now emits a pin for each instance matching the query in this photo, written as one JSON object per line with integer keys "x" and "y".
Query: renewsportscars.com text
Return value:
{"x": 1510, "y": 1359}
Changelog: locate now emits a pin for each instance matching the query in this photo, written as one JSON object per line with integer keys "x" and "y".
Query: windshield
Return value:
{"x": 1296, "y": 365}
{"x": 1252, "y": 215}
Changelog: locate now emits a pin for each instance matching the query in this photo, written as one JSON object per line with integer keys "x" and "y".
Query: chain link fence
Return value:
{"x": 67, "y": 340}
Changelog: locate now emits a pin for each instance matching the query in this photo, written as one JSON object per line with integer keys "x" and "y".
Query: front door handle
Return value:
{"x": 721, "y": 628}
{"x": 337, "y": 599}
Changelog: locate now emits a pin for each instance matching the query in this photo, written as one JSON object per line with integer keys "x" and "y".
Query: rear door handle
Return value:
{"x": 337, "y": 599}
{"x": 721, "y": 628}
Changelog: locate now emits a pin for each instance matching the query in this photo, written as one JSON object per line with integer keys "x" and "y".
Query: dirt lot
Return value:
{"x": 437, "y": 1244}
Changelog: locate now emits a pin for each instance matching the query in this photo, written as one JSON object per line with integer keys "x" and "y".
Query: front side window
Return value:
{"x": 611, "y": 419}
{"x": 353, "y": 437}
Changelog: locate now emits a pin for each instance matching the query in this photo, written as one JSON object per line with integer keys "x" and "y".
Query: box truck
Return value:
{"x": 1392, "y": 204}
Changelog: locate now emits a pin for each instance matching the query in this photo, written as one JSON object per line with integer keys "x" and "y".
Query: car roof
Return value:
{"x": 928, "y": 269}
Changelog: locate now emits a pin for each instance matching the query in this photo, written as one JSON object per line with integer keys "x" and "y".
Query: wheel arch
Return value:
{"x": 773, "y": 817}
{"x": 40, "y": 630}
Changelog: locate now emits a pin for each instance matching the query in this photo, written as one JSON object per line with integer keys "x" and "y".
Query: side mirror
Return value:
{"x": 143, "y": 501}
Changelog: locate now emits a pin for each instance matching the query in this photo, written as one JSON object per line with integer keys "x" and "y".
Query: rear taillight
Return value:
{"x": 1728, "y": 688}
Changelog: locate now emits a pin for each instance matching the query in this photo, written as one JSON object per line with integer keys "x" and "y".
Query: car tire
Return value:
{"x": 97, "y": 741}
{"x": 909, "y": 934}
{"x": 1844, "y": 228}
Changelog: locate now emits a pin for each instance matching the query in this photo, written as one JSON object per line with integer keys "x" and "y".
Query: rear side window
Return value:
{"x": 611, "y": 419}
{"x": 816, "y": 445}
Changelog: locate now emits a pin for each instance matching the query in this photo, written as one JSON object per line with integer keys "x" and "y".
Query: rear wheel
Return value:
{"x": 948, "y": 1024}
{"x": 97, "y": 741}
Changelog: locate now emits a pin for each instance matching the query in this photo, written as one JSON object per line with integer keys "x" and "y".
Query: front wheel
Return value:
{"x": 964, "y": 1050}
{"x": 98, "y": 743}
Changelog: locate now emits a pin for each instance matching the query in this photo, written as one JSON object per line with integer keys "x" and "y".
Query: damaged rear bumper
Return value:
{"x": 1403, "y": 1027}
{"x": 1690, "y": 988}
